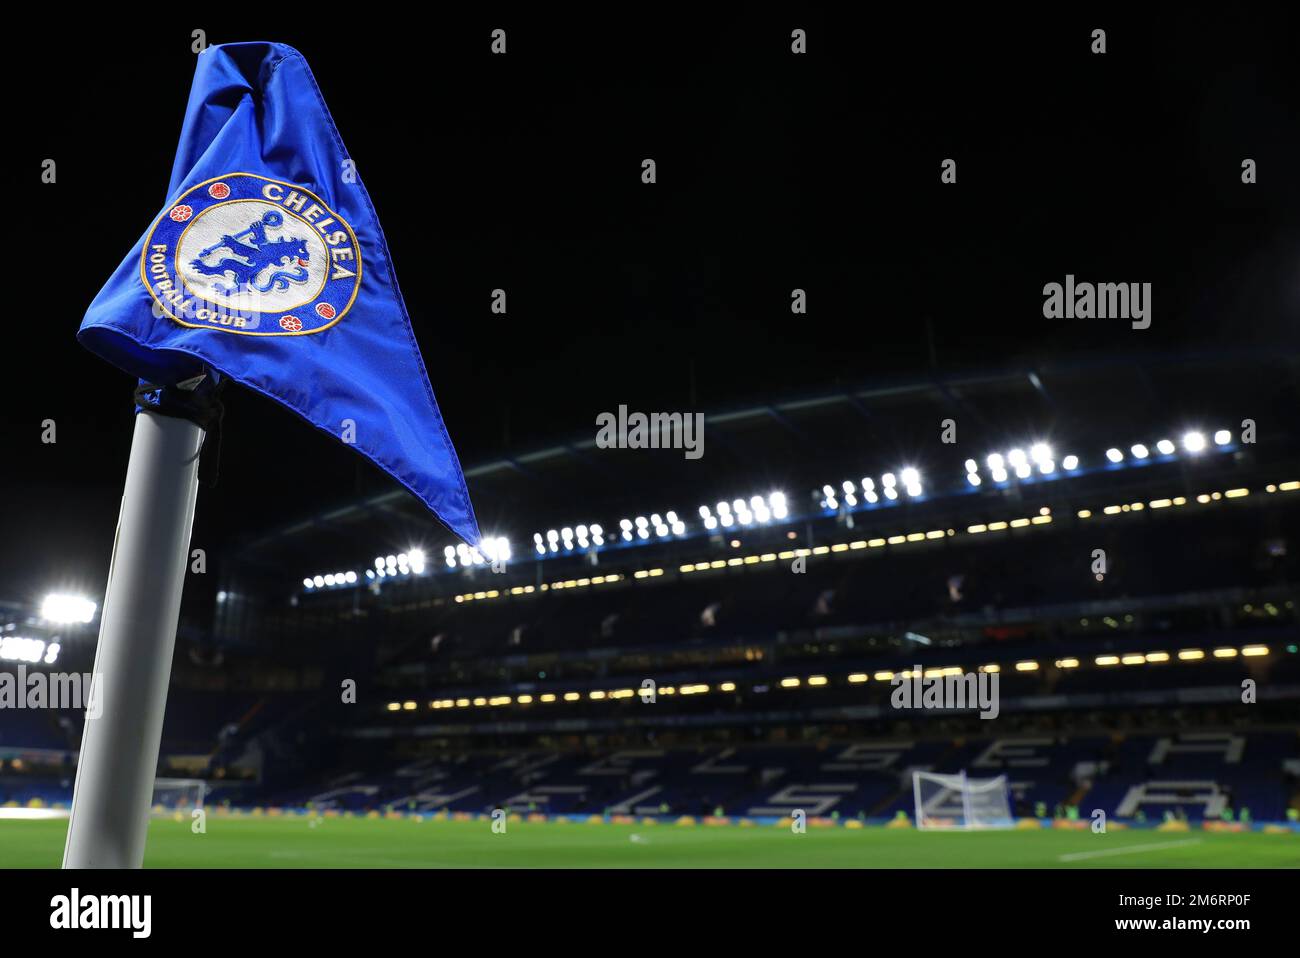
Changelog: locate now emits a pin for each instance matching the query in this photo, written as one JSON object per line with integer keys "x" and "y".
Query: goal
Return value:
{"x": 178, "y": 794}
{"x": 956, "y": 801}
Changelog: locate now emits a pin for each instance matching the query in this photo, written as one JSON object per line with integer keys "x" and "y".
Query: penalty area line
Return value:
{"x": 1127, "y": 850}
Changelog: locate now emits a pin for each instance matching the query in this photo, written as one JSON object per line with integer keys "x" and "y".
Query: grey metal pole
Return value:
{"x": 137, "y": 635}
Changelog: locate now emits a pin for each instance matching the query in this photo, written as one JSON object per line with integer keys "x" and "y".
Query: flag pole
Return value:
{"x": 137, "y": 635}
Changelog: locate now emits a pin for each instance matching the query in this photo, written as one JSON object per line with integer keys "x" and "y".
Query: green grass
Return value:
{"x": 407, "y": 843}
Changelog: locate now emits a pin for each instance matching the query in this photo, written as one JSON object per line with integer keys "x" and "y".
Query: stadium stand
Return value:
{"x": 748, "y": 668}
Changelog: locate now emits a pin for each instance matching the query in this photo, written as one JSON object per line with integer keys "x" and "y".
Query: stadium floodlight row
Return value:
{"x": 18, "y": 648}
{"x": 758, "y": 510}
{"x": 910, "y": 478}
{"x": 64, "y": 609}
{"x": 770, "y": 510}
{"x": 493, "y": 549}
{"x": 820, "y": 680}
{"x": 1044, "y": 518}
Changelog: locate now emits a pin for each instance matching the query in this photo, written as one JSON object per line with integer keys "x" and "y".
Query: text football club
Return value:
{"x": 247, "y": 254}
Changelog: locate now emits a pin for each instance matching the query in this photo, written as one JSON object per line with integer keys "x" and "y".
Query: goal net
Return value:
{"x": 956, "y": 801}
{"x": 177, "y": 795}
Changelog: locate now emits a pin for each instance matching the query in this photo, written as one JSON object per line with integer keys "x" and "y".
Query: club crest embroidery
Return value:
{"x": 247, "y": 254}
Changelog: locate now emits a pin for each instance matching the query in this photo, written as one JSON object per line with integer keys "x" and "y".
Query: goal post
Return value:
{"x": 960, "y": 802}
{"x": 178, "y": 794}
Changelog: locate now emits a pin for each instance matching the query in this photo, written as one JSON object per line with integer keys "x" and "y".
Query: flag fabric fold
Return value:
{"x": 268, "y": 265}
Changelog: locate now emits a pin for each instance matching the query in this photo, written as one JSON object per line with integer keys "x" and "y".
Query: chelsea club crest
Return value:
{"x": 247, "y": 254}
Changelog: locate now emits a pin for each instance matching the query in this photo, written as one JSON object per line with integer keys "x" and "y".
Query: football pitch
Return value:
{"x": 295, "y": 842}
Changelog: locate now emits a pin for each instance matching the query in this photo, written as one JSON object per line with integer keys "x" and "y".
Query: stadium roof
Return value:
{"x": 798, "y": 443}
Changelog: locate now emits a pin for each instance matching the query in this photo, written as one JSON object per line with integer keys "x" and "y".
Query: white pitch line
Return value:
{"x": 1127, "y": 849}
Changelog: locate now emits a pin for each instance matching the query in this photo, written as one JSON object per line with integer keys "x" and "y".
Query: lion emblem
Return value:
{"x": 251, "y": 255}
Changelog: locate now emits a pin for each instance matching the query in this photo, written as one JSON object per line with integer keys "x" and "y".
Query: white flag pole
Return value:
{"x": 137, "y": 635}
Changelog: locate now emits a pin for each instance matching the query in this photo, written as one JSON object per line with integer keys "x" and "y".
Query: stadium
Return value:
{"x": 794, "y": 444}
{"x": 672, "y": 676}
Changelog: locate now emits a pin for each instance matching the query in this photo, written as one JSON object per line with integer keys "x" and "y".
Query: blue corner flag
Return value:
{"x": 267, "y": 264}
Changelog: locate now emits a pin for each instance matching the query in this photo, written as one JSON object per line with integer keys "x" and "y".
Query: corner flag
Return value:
{"x": 267, "y": 264}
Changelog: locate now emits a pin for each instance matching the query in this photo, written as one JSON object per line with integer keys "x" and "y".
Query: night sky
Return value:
{"x": 775, "y": 171}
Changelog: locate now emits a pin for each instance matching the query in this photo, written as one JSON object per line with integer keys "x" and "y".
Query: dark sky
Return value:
{"x": 775, "y": 171}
